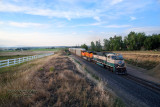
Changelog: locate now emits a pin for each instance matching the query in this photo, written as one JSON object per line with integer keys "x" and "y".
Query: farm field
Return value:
{"x": 11, "y": 57}
{"x": 17, "y": 54}
{"x": 41, "y": 49}
{"x": 51, "y": 81}
{"x": 23, "y": 53}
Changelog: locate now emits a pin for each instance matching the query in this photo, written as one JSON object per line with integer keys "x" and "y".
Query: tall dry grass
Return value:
{"x": 16, "y": 79}
{"x": 53, "y": 81}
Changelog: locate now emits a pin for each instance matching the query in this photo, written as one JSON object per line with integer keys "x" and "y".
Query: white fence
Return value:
{"x": 9, "y": 62}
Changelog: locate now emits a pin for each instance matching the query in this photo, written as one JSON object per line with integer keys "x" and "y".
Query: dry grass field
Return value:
{"x": 18, "y": 54}
{"x": 51, "y": 81}
{"x": 149, "y": 60}
{"x": 141, "y": 56}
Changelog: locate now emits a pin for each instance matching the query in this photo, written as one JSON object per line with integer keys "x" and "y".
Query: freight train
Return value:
{"x": 113, "y": 61}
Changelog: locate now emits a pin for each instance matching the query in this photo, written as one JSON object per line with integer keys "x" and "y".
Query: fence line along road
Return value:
{"x": 9, "y": 62}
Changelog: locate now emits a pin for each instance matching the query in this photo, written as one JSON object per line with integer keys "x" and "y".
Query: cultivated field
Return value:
{"x": 17, "y": 54}
{"x": 51, "y": 81}
{"x": 23, "y": 53}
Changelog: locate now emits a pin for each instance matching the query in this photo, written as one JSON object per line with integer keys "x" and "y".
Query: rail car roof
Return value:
{"x": 77, "y": 48}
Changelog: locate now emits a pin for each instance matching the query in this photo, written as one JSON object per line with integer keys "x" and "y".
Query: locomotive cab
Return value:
{"x": 116, "y": 63}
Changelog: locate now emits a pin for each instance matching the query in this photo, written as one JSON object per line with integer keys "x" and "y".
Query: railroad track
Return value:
{"x": 145, "y": 83}
{"x": 148, "y": 84}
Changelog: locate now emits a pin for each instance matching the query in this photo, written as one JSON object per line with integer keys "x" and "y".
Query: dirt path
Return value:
{"x": 141, "y": 73}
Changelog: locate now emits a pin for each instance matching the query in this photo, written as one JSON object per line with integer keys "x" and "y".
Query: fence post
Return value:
{"x": 14, "y": 61}
{"x": 23, "y": 59}
{"x": 8, "y": 63}
{"x": 19, "y": 60}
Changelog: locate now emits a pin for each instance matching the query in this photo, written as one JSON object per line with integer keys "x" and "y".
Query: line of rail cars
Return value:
{"x": 77, "y": 51}
{"x": 113, "y": 61}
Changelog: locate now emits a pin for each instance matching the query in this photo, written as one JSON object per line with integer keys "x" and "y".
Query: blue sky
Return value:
{"x": 74, "y": 22}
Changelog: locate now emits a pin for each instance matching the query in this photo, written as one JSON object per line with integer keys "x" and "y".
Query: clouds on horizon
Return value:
{"x": 149, "y": 30}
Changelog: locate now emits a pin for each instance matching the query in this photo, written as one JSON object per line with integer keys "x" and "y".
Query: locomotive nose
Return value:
{"x": 120, "y": 62}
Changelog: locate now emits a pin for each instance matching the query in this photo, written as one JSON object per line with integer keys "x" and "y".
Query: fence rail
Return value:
{"x": 9, "y": 62}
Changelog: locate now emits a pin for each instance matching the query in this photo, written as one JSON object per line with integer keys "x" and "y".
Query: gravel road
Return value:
{"x": 133, "y": 94}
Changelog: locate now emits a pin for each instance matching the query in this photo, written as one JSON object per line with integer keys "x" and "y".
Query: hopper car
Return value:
{"x": 113, "y": 61}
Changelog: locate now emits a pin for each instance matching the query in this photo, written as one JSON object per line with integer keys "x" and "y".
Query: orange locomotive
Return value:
{"x": 83, "y": 53}
{"x": 87, "y": 55}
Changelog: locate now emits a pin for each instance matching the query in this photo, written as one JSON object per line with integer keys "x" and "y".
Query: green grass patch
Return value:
{"x": 12, "y": 68}
{"x": 44, "y": 49}
{"x": 67, "y": 52}
{"x": 41, "y": 69}
{"x": 93, "y": 75}
{"x": 78, "y": 62}
{"x": 51, "y": 69}
{"x": 118, "y": 103}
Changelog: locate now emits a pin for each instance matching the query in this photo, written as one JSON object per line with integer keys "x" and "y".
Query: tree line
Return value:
{"x": 133, "y": 41}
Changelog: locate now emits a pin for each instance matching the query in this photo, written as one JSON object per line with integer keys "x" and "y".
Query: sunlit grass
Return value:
{"x": 11, "y": 57}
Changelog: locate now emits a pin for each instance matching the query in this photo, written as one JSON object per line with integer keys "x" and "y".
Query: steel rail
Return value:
{"x": 148, "y": 84}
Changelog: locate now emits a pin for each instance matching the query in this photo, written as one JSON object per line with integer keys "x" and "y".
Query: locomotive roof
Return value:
{"x": 113, "y": 54}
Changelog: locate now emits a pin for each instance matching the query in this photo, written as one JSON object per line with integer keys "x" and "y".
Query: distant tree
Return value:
{"x": 114, "y": 43}
{"x": 148, "y": 43}
{"x": 156, "y": 41}
{"x": 93, "y": 46}
{"x": 111, "y": 43}
{"x": 106, "y": 44}
{"x": 84, "y": 46}
{"x": 131, "y": 41}
{"x": 140, "y": 40}
{"x": 18, "y": 49}
{"x": 98, "y": 46}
